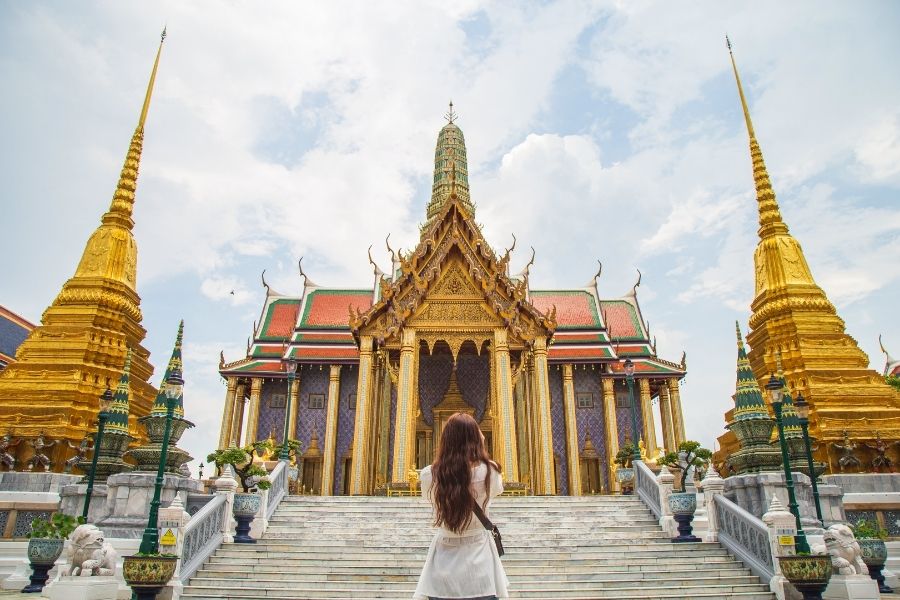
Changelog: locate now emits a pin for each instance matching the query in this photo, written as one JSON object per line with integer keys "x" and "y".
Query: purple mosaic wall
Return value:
{"x": 473, "y": 373}
{"x": 345, "y": 424}
{"x": 590, "y": 421}
{"x": 623, "y": 414}
{"x": 313, "y": 380}
{"x": 390, "y": 448}
{"x": 271, "y": 420}
{"x": 558, "y": 421}
{"x": 434, "y": 380}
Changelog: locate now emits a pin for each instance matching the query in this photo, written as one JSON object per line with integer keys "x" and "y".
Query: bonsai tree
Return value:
{"x": 867, "y": 530}
{"x": 624, "y": 455}
{"x": 59, "y": 527}
{"x": 690, "y": 454}
{"x": 249, "y": 473}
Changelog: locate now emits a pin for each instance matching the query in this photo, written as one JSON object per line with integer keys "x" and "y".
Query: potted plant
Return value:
{"x": 148, "y": 573}
{"x": 251, "y": 475}
{"x": 625, "y": 470}
{"x": 683, "y": 504}
{"x": 874, "y": 553}
{"x": 809, "y": 573}
{"x": 45, "y": 544}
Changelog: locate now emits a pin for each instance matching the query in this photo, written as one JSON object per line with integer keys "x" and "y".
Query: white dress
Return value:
{"x": 466, "y": 564}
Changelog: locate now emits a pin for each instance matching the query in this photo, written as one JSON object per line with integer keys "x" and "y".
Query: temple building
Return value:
{"x": 13, "y": 331}
{"x": 447, "y": 328}
{"x": 792, "y": 316}
{"x": 78, "y": 351}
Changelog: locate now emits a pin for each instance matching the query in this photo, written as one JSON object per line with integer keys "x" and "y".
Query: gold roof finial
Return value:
{"x": 770, "y": 222}
{"x": 451, "y": 116}
{"x": 123, "y": 199}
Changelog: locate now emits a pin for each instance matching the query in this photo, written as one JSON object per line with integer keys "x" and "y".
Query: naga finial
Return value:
{"x": 307, "y": 281}
{"x": 599, "y": 270}
{"x": 221, "y": 358}
{"x": 637, "y": 284}
{"x": 684, "y": 360}
{"x": 378, "y": 272}
{"x": 265, "y": 285}
{"x": 387, "y": 243}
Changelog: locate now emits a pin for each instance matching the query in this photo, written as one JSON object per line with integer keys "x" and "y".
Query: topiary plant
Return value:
{"x": 59, "y": 527}
{"x": 690, "y": 454}
{"x": 625, "y": 455}
{"x": 241, "y": 459}
{"x": 867, "y": 530}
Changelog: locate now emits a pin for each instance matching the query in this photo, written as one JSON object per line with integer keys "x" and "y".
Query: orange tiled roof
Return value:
{"x": 557, "y": 352}
{"x": 280, "y": 319}
{"x": 329, "y": 309}
{"x": 621, "y": 320}
{"x": 325, "y": 353}
{"x": 575, "y": 309}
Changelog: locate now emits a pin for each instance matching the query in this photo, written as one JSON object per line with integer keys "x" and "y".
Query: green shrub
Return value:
{"x": 59, "y": 526}
{"x": 690, "y": 454}
{"x": 868, "y": 530}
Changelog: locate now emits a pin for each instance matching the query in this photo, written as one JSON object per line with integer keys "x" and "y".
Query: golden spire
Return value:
{"x": 123, "y": 199}
{"x": 770, "y": 222}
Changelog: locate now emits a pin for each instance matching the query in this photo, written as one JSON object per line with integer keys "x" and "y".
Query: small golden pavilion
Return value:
{"x": 448, "y": 328}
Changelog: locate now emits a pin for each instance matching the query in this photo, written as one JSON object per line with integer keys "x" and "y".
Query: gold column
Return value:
{"x": 649, "y": 429}
{"x": 384, "y": 424}
{"x": 612, "y": 429}
{"x": 572, "y": 450}
{"x": 521, "y": 427}
{"x": 253, "y": 415}
{"x": 405, "y": 408}
{"x": 359, "y": 481}
{"x": 295, "y": 407}
{"x": 227, "y": 414}
{"x": 331, "y": 417}
{"x": 665, "y": 414}
{"x": 238, "y": 415}
{"x": 509, "y": 453}
{"x": 546, "y": 484}
{"x": 677, "y": 415}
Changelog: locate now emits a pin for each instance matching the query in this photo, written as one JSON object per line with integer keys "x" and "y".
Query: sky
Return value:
{"x": 595, "y": 130}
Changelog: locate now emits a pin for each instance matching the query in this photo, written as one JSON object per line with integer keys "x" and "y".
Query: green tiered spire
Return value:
{"x": 451, "y": 170}
{"x": 159, "y": 406}
{"x": 118, "y": 411}
{"x": 748, "y": 398}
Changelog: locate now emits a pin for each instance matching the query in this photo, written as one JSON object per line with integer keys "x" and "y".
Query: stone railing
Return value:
{"x": 745, "y": 536}
{"x": 279, "y": 479}
{"x": 203, "y": 534}
{"x": 647, "y": 488}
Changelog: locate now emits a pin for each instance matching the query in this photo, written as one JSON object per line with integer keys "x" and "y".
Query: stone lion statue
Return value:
{"x": 846, "y": 556}
{"x": 90, "y": 554}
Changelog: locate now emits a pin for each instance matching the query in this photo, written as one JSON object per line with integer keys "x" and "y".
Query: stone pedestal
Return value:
{"x": 84, "y": 588}
{"x": 851, "y": 587}
{"x": 754, "y": 493}
{"x": 72, "y": 501}
{"x": 128, "y": 500}
{"x": 12, "y": 481}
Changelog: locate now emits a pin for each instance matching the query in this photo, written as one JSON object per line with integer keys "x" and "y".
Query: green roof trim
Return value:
{"x": 118, "y": 411}
{"x": 748, "y": 398}
{"x": 159, "y": 405}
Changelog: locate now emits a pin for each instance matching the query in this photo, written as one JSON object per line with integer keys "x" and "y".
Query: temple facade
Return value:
{"x": 793, "y": 320}
{"x": 447, "y": 328}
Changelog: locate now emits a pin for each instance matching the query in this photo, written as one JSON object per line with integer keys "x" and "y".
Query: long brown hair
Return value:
{"x": 461, "y": 447}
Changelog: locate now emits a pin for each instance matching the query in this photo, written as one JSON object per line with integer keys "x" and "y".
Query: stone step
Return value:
{"x": 728, "y": 592}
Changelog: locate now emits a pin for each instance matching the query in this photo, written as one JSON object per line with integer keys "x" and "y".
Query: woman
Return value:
{"x": 462, "y": 561}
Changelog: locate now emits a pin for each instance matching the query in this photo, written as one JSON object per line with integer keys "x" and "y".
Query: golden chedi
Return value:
{"x": 791, "y": 315}
{"x": 79, "y": 349}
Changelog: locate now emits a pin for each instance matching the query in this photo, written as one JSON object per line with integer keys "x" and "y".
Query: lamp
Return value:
{"x": 628, "y": 366}
{"x": 106, "y": 401}
{"x": 290, "y": 364}
{"x": 173, "y": 391}
{"x": 802, "y": 408}
{"x": 775, "y": 387}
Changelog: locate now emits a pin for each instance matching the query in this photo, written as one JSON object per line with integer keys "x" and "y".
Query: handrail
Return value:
{"x": 202, "y": 536}
{"x": 746, "y": 537}
{"x": 647, "y": 487}
{"x": 279, "y": 479}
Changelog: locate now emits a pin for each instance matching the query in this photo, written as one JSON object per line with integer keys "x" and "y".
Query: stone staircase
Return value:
{"x": 556, "y": 547}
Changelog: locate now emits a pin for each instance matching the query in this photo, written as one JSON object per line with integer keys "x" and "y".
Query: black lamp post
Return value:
{"x": 150, "y": 539}
{"x": 291, "y": 365}
{"x": 802, "y": 408}
{"x": 102, "y": 417}
{"x": 629, "y": 381}
{"x": 775, "y": 387}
